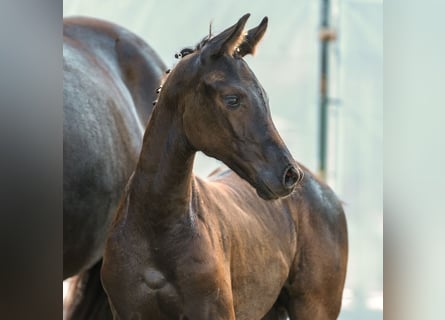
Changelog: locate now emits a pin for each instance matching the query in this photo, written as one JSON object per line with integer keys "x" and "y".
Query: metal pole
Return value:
{"x": 325, "y": 36}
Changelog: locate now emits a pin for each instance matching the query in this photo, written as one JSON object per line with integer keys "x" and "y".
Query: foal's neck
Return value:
{"x": 162, "y": 184}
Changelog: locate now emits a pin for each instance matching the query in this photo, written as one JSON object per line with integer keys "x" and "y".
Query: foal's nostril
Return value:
{"x": 291, "y": 177}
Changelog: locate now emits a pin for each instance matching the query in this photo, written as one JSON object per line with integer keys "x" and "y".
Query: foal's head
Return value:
{"x": 225, "y": 110}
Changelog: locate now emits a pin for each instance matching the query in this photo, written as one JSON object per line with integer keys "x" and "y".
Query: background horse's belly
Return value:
{"x": 102, "y": 137}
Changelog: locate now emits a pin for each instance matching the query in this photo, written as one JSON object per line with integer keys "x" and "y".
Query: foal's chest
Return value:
{"x": 160, "y": 294}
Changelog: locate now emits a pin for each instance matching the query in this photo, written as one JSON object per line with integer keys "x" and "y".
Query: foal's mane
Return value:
{"x": 189, "y": 50}
{"x": 186, "y": 51}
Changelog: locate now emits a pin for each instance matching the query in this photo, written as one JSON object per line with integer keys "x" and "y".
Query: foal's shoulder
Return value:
{"x": 225, "y": 186}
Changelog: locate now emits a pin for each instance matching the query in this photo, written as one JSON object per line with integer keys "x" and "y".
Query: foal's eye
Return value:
{"x": 232, "y": 101}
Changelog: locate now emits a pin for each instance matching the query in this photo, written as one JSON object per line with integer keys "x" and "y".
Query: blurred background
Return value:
{"x": 321, "y": 63}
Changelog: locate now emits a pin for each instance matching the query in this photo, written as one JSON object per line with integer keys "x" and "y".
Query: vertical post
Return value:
{"x": 325, "y": 37}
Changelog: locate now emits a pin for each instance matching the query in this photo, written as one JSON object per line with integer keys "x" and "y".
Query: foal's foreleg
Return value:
{"x": 215, "y": 304}
{"x": 315, "y": 296}
{"x": 308, "y": 308}
{"x": 207, "y": 292}
{"x": 276, "y": 313}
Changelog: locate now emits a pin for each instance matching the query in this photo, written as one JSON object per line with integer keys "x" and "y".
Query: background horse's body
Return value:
{"x": 236, "y": 246}
{"x": 110, "y": 78}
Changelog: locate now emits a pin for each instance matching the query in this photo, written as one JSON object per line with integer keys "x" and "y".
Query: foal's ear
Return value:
{"x": 227, "y": 41}
{"x": 252, "y": 38}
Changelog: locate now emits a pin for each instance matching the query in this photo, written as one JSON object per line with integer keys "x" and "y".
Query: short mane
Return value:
{"x": 189, "y": 50}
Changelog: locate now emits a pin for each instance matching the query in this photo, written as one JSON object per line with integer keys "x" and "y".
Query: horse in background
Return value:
{"x": 264, "y": 241}
{"x": 110, "y": 77}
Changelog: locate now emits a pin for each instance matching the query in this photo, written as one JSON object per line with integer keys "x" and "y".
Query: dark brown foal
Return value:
{"x": 253, "y": 243}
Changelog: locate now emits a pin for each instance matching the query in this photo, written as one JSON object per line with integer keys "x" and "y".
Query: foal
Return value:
{"x": 239, "y": 245}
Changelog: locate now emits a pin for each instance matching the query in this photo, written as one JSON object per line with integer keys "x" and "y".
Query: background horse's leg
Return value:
{"x": 88, "y": 299}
